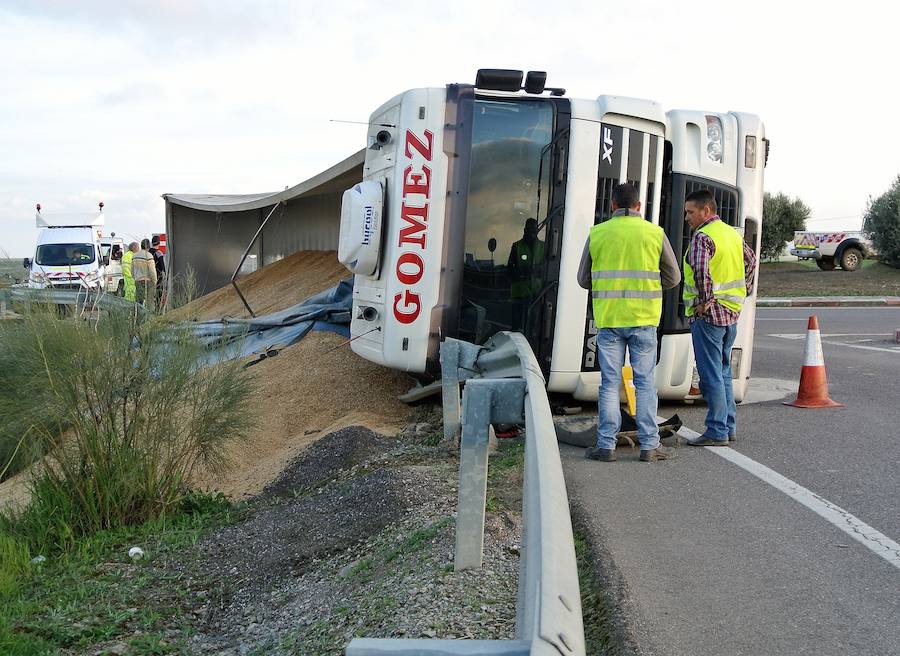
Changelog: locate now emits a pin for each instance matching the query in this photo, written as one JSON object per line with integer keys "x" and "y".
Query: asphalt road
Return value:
{"x": 715, "y": 560}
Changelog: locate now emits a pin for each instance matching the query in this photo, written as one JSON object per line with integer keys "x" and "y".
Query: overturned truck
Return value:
{"x": 476, "y": 201}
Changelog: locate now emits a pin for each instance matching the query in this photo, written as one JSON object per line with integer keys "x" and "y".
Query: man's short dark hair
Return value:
{"x": 702, "y": 198}
{"x": 626, "y": 196}
{"x": 155, "y": 240}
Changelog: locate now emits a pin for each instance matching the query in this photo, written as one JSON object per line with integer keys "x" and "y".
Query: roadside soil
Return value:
{"x": 806, "y": 279}
{"x": 354, "y": 538}
{"x": 309, "y": 389}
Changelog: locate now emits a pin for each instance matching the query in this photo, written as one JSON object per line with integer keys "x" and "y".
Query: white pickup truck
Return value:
{"x": 846, "y": 249}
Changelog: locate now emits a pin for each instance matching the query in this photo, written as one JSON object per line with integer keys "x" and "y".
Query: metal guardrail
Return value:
{"x": 548, "y": 610}
{"x": 80, "y": 298}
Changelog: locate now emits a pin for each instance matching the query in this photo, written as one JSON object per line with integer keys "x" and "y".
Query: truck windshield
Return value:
{"x": 64, "y": 254}
{"x": 505, "y": 239}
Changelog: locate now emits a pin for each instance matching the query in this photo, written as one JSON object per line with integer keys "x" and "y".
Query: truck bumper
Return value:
{"x": 806, "y": 253}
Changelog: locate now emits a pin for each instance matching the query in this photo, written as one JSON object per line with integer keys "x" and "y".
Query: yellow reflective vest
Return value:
{"x": 726, "y": 269}
{"x": 128, "y": 276}
{"x": 626, "y": 289}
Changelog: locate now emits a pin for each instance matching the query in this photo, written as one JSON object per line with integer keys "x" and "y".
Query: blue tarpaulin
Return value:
{"x": 236, "y": 338}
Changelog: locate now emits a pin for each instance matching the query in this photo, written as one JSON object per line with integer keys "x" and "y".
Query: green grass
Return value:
{"x": 593, "y": 611}
{"x": 95, "y": 593}
{"x": 804, "y": 278}
{"x": 123, "y": 414}
{"x": 505, "y": 467}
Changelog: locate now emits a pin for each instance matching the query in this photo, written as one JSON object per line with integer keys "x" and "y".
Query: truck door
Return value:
{"x": 514, "y": 217}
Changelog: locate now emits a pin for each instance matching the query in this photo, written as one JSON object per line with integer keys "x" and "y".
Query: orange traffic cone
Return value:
{"x": 813, "y": 392}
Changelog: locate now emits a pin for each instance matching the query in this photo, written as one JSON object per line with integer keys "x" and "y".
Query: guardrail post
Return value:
{"x": 450, "y": 390}
{"x": 473, "y": 462}
{"x": 485, "y": 402}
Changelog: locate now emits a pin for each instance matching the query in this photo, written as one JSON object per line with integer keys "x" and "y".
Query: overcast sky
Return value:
{"x": 123, "y": 101}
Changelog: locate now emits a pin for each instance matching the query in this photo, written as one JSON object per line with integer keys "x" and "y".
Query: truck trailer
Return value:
{"x": 456, "y": 177}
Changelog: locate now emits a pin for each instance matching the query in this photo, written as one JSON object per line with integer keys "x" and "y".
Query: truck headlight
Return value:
{"x": 714, "y": 135}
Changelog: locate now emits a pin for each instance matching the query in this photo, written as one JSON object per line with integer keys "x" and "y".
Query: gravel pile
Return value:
{"x": 355, "y": 538}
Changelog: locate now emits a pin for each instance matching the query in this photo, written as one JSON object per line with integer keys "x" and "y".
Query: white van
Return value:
{"x": 68, "y": 253}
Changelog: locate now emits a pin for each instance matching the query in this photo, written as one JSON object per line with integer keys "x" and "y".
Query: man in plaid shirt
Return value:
{"x": 719, "y": 273}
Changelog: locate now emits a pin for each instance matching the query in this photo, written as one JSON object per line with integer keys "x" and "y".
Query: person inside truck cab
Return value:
{"x": 524, "y": 267}
{"x": 79, "y": 256}
{"x": 116, "y": 252}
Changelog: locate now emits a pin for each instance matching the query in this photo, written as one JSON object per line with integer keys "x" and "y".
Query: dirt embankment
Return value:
{"x": 306, "y": 391}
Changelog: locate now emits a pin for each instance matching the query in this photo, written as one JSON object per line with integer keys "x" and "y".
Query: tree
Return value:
{"x": 782, "y": 216}
{"x": 882, "y": 222}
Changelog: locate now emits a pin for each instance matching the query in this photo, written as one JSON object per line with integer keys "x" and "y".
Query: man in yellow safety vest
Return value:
{"x": 719, "y": 270}
{"x": 626, "y": 263}
{"x": 128, "y": 273}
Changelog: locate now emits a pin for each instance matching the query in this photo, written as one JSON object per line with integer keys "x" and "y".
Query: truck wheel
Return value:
{"x": 826, "y": 264}
{"x": 851, "y": 259}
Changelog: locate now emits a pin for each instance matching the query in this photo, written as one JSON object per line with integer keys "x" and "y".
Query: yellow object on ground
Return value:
{"x": 628, "y": 388}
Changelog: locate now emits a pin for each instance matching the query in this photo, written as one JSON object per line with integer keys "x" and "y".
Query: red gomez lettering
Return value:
{"x": 410, "y": 266}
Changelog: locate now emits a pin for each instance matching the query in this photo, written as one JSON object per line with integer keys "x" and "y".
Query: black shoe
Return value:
{"x": 732, "y": 438}
{"x": 705, "y": 440}
{"x": 659, "y": 453}
{"x": 604, "y": 455}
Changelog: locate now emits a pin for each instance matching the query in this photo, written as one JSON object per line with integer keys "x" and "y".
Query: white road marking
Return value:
{"x": 799, "y": 336}
{"x": 803, "y": 335}
{"x": 876, "y": 541}
{"x": 865, "y": 348}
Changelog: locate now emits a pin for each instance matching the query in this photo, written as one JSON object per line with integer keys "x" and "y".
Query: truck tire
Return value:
{"x": 851, "y": 259}
{"x": 826, "y": 263}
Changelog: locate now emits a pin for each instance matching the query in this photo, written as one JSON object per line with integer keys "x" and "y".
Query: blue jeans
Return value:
{"x": 712, "y": 351}
{"x": 641, "y": 343}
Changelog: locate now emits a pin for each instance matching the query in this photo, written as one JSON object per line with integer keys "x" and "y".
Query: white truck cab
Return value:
{"x": 68, "y": 253}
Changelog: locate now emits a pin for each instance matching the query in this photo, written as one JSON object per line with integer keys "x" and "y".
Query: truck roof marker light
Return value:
{"x": 504, "y": 79}
{"x": 499, "y": 79}
{"x": 714, "y": 146}
{"x": 535, "y": 81}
